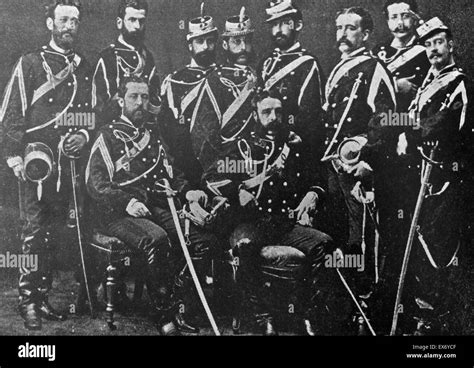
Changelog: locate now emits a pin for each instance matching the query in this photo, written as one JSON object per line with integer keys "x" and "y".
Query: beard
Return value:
{"x": 137, "y": 116}
{"x": 277, "y": 132}
{"x": 64, "y": 39}
{"x": 284, "y": 42}
{"x": 136, "y": 38}
{"x": 242, "y": 58}
{"x": 205, "y": 58}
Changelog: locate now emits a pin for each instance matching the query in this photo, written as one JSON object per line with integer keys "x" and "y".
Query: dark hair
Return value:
{"x": 136, "y": 4}
{"x": 262, "y": 94}
{"x": 412, "y": 3}
{"x": 51, "y": 8}
{"x": 122, "y": 90}
{"x": 367, "y": 23}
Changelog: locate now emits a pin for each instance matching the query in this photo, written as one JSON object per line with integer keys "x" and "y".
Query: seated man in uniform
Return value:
{"x": 126, "y": 161}
{"x": 273, "y": 201}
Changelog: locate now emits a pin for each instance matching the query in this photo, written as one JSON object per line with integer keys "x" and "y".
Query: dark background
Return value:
{"x": 22, "y": 29}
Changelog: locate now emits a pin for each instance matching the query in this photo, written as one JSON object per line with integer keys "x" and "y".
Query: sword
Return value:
{"x": 356, "y": 302}
{"x": 202, "y": 297}
{"x": 81, "y": 250}
{"x": 352, "y": 97}
{"x": 411, "y": 236}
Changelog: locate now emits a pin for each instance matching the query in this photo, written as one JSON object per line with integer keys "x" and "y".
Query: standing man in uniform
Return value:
{"x": 46, "y": 86}
{"x": 225, "y": 113}
{"x": 359, "y": 92}
{"x": 296, "y": 74}
{"x": 440, "y": 110}
{"x": 128, "y": 56}
{"x": 408, "y": 64}
{"x": 403, "y": 56}
{"x": 182, "y": 94}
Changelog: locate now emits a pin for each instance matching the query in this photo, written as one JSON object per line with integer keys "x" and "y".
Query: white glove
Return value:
{"x": 307, "y": 205}
{"x": 137, "y": 209}
{"x": 246, "y": 198}
{"x": 402, "y": 144}
{"x": 197, "y": 196}
{"x": 16, "y": 164}
{"x": 360, "y": 170}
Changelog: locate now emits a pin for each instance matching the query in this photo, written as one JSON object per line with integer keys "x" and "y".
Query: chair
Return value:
{"x": 108, "y": 260}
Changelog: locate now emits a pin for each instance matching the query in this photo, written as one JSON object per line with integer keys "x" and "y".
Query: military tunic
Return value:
{"x": 297, "y": 75}
{"x": 116, "y": 62}
{"x": 407, "y": 62}
{"x": 182, "y": 94}
{"x": 125, "y": 163}
{"x": 225, "y": 113}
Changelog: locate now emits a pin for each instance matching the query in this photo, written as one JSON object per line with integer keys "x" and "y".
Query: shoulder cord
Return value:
{"x": 129, "y": 69}
{"x": 125, "y": 138}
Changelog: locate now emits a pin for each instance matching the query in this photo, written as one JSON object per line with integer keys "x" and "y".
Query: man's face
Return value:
{"x": 132, "y": 26}
{"x": 269, "y": 114}
{"x": 349, "y": 34}
{"x": 284, "y": 32}
{"x": 203, "y": 49}
{"x": 64, "y": 26}
{"x": 135, "y": 102}
{"x": 239, "y": 49}
{"x": 401, "y": 21}
{"x": 439, "y": 50}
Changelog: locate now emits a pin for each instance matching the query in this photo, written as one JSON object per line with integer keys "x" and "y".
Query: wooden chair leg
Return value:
{"x": 138, "y": 290}
{"x": 111, "y": 295}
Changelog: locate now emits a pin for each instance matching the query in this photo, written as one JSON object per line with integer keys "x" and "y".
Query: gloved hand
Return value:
{"x": 246, "y": 198}
{"x": 137, "y": 209}
{"x": 197, "y": 196}
{"x": 307, "y": 205}
{"x": 18, "y": 167}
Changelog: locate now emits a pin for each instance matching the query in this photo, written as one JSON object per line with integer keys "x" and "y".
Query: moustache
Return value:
{"x": 401, "y": 30}
{"x": 433, "y": 55}
{"x": 67, "y": 33}
{"x": 280, "y": 35}
{"x": 346, "y": 41}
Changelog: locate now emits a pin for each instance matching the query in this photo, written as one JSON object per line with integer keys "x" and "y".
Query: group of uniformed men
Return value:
{"x": 286, "y": 151}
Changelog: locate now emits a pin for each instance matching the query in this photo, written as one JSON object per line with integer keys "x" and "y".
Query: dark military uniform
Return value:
{"x": 410, "y": 61}
{"x": 47, "y": 85}
{"x": 396, "y": 192}
{"x": 364, "y": 82}
{"x": 280, "y": 249}
{"x": 182, "y": 94}
{"x": 298, "y": 77}
{"x": 374, "y": 96}
{"x": 116, "y": 62}
{"x": 125, "y": 163}
{"x": 225, "y": 113}
{"x": 441, "y": 108}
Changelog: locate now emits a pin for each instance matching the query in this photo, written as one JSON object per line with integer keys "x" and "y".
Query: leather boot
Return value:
{"x": 266, "y": 322}
{"x": 49, "y": 313}
{"x": 270, "y": 329}
{"x": 183, "y": 325}
{"x": 32, "y": 320}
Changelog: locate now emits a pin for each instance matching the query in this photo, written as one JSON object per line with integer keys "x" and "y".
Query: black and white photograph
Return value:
{"x": 237, "y": 168}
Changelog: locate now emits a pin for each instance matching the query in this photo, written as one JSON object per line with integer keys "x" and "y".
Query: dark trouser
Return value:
{"x": 290, "y": 263}
{"x": 42, "y": 220}
{"x": 348, "y": 229}
{"x": 158, "y": 237}
{"x": 430, "y": 289}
